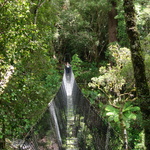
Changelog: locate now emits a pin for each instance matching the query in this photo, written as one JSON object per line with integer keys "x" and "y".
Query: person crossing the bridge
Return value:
{"x": 67, "y": 67}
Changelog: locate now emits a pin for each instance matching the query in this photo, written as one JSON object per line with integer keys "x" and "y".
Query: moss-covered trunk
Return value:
{"x": 139, "y": 67}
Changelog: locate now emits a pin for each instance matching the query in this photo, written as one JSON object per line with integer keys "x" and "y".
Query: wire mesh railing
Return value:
{"x": 93, "y": 132}
{"x": 50, "y": 131}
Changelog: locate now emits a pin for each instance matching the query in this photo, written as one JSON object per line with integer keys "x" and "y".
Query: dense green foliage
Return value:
{"x": 29, "y": 74}
{"x": 35, "y": 37}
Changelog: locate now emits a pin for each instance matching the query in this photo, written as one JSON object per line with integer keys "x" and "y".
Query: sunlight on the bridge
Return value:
{"x": 71, "y": 141}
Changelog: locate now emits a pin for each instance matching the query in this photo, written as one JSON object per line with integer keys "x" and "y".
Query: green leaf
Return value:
{"x": 132, "y": 116}
{"x": 111, "y": 118}
{"x": 136, "y": 108}
{"x": 116, "y": 118}
{"x": 129, "y": 116}
{"x": 110, "y": 114}
{"x": 131, "y": 108}
{"x": 111, "y": 108}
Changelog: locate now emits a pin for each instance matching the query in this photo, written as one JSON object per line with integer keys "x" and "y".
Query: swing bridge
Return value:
{"x": 70, "y": 122}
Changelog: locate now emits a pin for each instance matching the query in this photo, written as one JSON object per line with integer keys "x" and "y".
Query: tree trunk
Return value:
{"x": 112, "y": 23}
{"x": 40, "y": 3}
{"x": 123, "y": 129}
{"x": 139, "y": 67}
{"x": 107, "y": 137}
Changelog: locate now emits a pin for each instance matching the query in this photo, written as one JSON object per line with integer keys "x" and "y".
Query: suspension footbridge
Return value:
{"x": 71, "y": 123}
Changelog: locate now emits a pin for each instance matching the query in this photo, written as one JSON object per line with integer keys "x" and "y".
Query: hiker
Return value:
{"x": 67, "y": 67}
